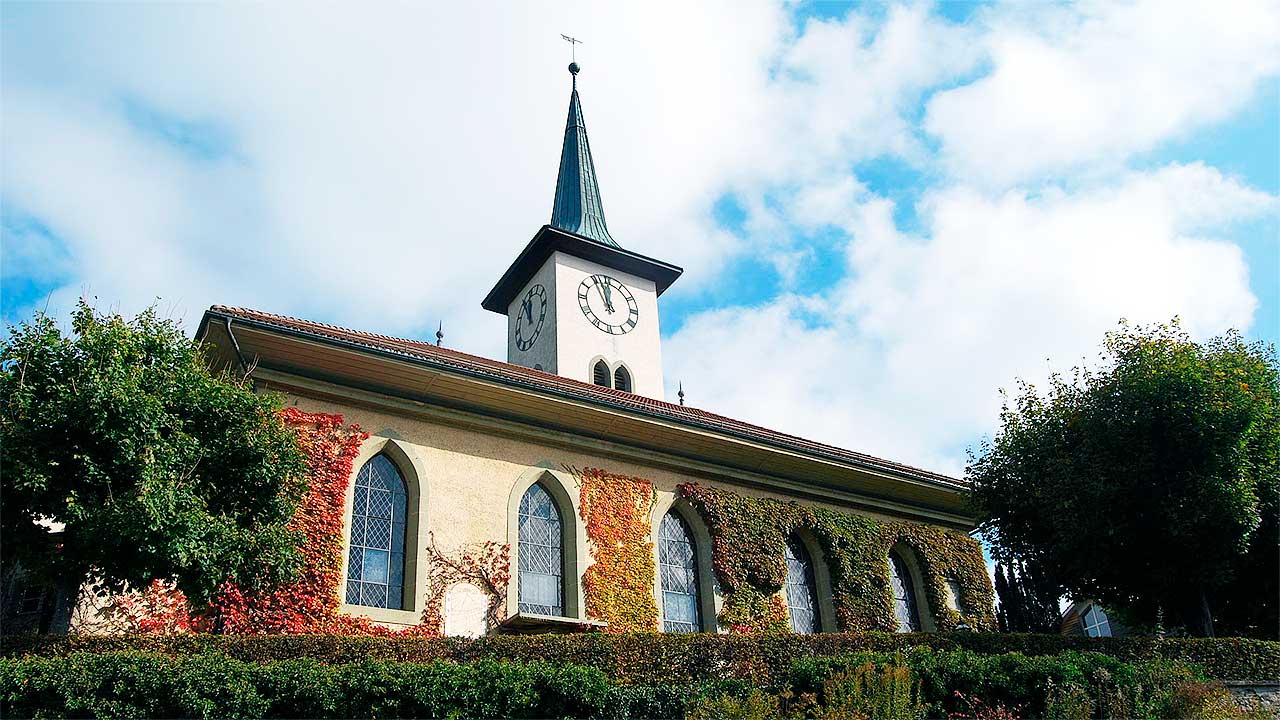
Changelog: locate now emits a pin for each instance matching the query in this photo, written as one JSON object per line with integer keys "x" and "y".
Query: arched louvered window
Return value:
{"x": 904, "y": 595}
{"x": 678, "y": 566}
{"x": 375, "y": 563}
{"x": 622, "y": 379}
{"x": 541, "y": 555}
{"x": 802, "y": 588}
{"x": 600, "y": 374}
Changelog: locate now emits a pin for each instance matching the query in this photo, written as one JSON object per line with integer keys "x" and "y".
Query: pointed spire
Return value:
{"x": 577, "y": 206}
{"x": 440, "y": 333}
{"x": 681, "y": 393}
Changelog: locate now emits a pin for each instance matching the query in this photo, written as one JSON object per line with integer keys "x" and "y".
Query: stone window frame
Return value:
{"x": 573, "y": 541}
{"x": 709, "y": 598}
{"x": 915, "y": 570}
{"x": 409, "y": 462}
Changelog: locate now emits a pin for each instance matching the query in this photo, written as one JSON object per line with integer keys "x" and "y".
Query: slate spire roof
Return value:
{"x": 577, "y": 206}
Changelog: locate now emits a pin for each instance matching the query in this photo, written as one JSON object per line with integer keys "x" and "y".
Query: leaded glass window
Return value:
{"x": 375, "y": 563}
{"x": 802, "y": 588}
{"x": 904, "y": 595}
{"x": 678, "y": 566}
{"x": 541, "y": 555}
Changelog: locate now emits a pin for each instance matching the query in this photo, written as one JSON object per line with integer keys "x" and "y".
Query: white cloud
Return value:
{"x": 380, "y": 166}
{"x": 1092, "y": 84}
{"x": 903, "y": 358}
{"x": 383, "y": 165}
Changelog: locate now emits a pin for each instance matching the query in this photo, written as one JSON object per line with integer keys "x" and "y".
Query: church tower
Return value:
{"x": 577, "y": 304}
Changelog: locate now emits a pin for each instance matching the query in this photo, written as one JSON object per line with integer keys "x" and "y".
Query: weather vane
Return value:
{"x": 573, "y": 47}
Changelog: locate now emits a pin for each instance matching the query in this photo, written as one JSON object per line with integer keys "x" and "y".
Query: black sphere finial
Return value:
{"x": 574, "y": 68}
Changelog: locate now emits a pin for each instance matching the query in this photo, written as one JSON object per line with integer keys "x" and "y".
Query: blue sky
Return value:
{"x": 886, "y": 212}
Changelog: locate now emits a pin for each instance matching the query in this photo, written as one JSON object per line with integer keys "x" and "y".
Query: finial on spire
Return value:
{"x": 440, "y": 333}
{"x": 573, "y": 57}
{"x": 577, "y": 206}
{"x": 681, "y": 393}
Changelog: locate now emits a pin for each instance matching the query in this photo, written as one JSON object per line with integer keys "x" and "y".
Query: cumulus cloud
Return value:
{"x": 903, "y": 357}
{"x": 1076, "y": 86}
{"x": 373, "y": 166}
{"x": 380, "y": 166}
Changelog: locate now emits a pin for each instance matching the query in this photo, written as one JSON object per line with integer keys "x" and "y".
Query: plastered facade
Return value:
{"x": 465, "y": 484}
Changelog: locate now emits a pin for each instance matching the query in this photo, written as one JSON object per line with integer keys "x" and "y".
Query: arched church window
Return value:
{"x": 678, "y": 566}
{"x": 904, "y": 595}
{"x": 375, "y": 563}
{"x": 622, "y": 379}
{"x": 541, "y": 555}
{"x": 802, "y": 588}
{"x": 600, "y": 373}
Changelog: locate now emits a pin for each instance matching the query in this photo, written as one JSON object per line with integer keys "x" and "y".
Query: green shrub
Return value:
{"x": 656, "y": 659}
{"x": 877, "y": 692}
{"x": 1066, "y": 701}
{"x": 950, "y": 678}
{"x": 132, "y": 684}
{"x": 755, "y": 706}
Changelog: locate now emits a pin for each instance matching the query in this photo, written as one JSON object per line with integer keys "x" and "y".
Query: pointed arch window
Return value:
{"x": 600, "y": 374}
{"x": 905, "y": 610}
{"x": 678, "y": 566}
{"x": 802, "y": 588}
{"x": 622, "y": 379}
{"x": 541, "y": 554}
{"x": 375, "y": 561}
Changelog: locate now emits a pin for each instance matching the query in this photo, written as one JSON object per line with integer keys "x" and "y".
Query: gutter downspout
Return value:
{"x": 244, "y": 367}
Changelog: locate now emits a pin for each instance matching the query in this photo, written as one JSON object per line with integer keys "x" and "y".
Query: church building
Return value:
{"x": 465, "y": 451}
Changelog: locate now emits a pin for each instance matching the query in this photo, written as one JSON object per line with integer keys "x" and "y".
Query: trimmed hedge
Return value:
{"x": 657, "y": 659}
{"x": 134, "y": 684}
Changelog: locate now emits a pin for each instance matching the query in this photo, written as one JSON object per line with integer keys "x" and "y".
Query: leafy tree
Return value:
{"x": 1148, "y": 484}
{"x": 1028, "y": 599}
{"x": 155, "y": 466}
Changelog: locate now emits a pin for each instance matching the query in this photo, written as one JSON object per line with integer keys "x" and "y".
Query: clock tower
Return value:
{"x": 577, "y": 304}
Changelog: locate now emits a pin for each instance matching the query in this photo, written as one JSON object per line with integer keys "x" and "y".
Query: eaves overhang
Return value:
{"x": 551, "y": 239}
{"x": 318, "y": 354}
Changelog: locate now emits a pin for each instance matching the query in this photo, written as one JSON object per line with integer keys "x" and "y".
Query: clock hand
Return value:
{"x": 608, "y": 297}
{"x": 600, "y": 289}
{"x": 528, "y": 309}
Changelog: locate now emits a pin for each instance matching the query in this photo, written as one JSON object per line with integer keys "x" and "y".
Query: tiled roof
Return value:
{"x": 538, "y": 380}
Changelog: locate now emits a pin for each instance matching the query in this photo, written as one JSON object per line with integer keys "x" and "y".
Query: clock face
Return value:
{"x": 529, "y": 316}
{"x": 608, "y": 304}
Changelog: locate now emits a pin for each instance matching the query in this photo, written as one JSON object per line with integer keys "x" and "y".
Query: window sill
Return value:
{"x": 383, "y": 616}
{"x": 552, "y": 623}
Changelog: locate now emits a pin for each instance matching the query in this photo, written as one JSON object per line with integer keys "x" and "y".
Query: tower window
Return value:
{"x": 600, "y": 374}
{"x": 622, "y": 379}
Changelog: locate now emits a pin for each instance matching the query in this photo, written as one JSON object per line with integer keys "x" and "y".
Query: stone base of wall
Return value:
{"x": 1250, "y": 695}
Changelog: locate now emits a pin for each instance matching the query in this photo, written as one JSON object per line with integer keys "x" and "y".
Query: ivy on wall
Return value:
{"x": 310, "y": 604}
{"x": 749, "y": 535}
{"x": 485, "y": 565}
{"x": 619, "y": 585}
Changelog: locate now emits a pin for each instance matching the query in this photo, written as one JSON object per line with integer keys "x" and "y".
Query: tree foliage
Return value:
{"x": 1149, "y": 483}
{"x": 1028, "y": 600}
{"x": 155, "y": 466}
